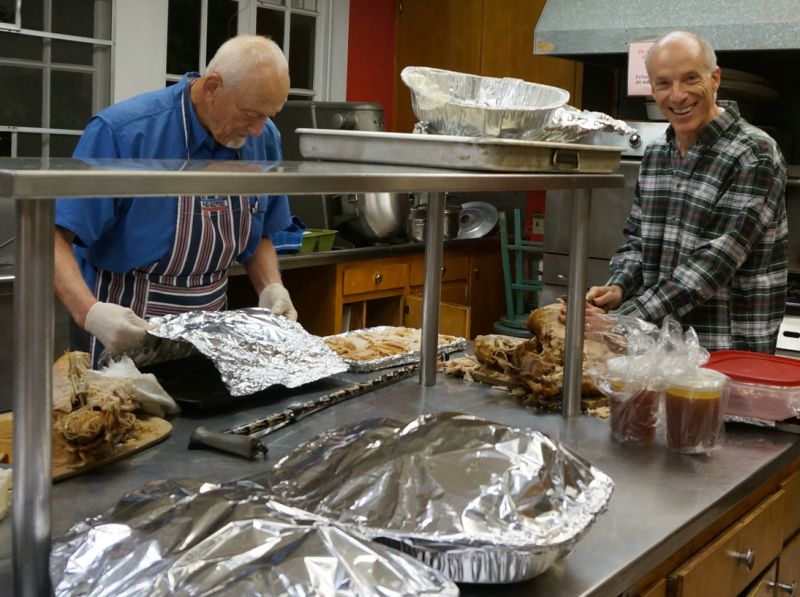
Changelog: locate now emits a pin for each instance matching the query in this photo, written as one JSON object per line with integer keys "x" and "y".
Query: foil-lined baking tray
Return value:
{"x": 194, "y": 538}
{"x": 251, "y": 348}
{"x": 410, "y": 339}
{"x": 479, "y": 501}
{"x": 463, "y": 153}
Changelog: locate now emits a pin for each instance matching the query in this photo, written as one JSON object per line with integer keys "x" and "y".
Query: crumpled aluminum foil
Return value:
{"x": 569, "y": 125}
{"x": 454, "y": 103}
{"x": 395, "y": 360}
{"x": 194, "y": 538}
{"x": 251, "y": 348}
{"x": 479, "y": 501}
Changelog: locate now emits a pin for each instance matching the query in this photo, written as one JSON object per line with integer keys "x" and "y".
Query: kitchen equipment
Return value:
{"x": 653, "y": 111}
{"x": 477, "y": 219}
{"x": 415, "y": 225}
{"x": 454, "y": 103}
{"x": 151, "y": 431}
{"x": 321, "y": 211}
{"x": 452, "y": 221}
{"x": 374, "y": 216}
{"x": 315, "y": 241}
{"x": 464, "y": 153}
{"x": 244, "y": 439}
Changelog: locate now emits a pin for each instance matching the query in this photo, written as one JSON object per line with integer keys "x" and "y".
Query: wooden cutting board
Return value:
{"x": 153, "y": 430}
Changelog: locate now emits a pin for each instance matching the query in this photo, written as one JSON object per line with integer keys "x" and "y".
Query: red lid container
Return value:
{"x": 762, "y": 386}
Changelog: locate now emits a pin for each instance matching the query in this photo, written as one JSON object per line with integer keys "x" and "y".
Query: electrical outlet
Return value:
{"x": 538, "y": 224}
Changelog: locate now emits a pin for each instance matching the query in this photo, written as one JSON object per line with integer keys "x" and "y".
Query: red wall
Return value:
{"x": 371, "y": 54}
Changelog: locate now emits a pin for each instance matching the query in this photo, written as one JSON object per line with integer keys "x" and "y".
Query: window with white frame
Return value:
{"x": 197, "y": 28}
{"x": 55, "y": 71}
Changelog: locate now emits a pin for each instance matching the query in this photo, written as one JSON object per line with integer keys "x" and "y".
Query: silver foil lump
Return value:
{"x": 251, "y": 348}
{"x": 193, "y": 538}
{"x": 479, "y": 501}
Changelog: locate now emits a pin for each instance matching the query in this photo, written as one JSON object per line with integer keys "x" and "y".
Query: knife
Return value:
{"x": 244, "y": 440}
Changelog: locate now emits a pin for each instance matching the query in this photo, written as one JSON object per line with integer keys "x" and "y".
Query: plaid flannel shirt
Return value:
{"x": 707, "y": 235}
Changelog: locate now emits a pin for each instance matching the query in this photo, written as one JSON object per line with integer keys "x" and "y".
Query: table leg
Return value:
{"x": 576, "y": 299}
{"x": 434, "y": 248}
{"x": 32, "y": 391}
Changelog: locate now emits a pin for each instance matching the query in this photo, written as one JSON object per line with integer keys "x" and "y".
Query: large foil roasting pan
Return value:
{"x": 251, "y": 348}
{"x": 479, "y": 501}
{"x": 463, "y": 153}
{"x": 388, "y": 356}
{"x": 194, "y": 538}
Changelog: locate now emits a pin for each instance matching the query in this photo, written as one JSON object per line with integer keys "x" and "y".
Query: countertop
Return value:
{"x": 660, "y": 502}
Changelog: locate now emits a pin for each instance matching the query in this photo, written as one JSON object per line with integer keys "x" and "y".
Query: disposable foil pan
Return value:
{"x": 446, "y": 345}
{"x": 251, "y": 348}
{"x": 462, "y": 153}
{"x": 479, "y": 501}
{"x": 463, "y": 104}
{"x": 193, "y": 538}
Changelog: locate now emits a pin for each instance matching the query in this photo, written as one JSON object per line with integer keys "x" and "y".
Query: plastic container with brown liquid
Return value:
{"x": 695, "y": 409}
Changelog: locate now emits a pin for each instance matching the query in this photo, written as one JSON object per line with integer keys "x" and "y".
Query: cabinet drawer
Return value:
{"x": 763, "y": 587}
{"x": 454, "y": 267}
{"x": 789, "y": 568}
{"x": 715, "y": 570}
{"x": 792, "y": 505}
{"x": 373, "y": 277}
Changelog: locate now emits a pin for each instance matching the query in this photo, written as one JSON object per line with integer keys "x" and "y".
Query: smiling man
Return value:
{"x": 707, "y": 233}
{"x": 119, "y": 261}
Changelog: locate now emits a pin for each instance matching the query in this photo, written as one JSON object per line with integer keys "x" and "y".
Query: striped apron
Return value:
{"x": 193, "y": 276}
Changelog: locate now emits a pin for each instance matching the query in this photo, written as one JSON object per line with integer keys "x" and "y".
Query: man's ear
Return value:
{"x": 212, "y": 84}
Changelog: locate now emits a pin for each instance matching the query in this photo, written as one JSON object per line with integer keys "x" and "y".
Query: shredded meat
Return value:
{"x": 92, "y": 415}
{"x": 532, "y": 368}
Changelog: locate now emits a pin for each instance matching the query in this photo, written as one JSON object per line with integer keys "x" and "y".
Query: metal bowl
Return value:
{"x": 376, "y": 216}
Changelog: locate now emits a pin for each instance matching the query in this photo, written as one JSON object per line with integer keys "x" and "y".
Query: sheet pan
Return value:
{"x": 463, "y": 153}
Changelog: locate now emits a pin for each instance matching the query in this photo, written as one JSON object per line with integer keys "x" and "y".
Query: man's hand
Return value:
{"x": 604, "y": 297}
{"x": 599, "y": 299}
{"x": 117, "y": 327}
{"x": 276, "y": 298}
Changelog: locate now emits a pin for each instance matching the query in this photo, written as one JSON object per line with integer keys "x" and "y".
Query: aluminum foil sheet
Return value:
{"x": 479, "y": 501}
{"x": 454, "y": 103}
{"x": 446, "y": 345}
{"x": 251, "y": 348}
{"x": 569, "y": 125}
{"x": 192, "y": 538}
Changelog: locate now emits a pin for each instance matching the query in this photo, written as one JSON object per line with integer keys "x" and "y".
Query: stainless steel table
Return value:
{"x": 33, "y": 183}
{"x": 661, "y": 500}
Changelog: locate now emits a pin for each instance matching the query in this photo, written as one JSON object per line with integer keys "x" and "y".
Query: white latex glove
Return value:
{"x": 117, "y": 327}
{"x": 276, "y": 298}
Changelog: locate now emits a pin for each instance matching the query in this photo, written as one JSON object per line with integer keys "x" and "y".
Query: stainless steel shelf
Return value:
{"x": 34, "y": 183}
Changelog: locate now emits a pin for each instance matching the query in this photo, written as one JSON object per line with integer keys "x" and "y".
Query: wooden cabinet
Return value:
{"x": 789, "y": 569}
{"x": 734, "y": 559}
{"x": 367, "y": 292}
{"x": 483, "y": 37}
{"x": 764, "y": 585}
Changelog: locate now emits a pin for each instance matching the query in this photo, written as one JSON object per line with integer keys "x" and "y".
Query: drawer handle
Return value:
{"x": 444, "y": 270}
{"x": 378, "y": 278}
{"x": 747, "y": 558}
{"x": 790, "y": 590}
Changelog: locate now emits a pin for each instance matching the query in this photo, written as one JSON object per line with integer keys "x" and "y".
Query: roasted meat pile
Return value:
{"x": 533, "y": 368}
{"x": 92, "y": 414}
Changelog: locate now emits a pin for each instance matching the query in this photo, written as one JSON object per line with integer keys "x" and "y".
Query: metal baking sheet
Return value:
{"x": 463, "y": 153}
{"x": 394, "y": 360}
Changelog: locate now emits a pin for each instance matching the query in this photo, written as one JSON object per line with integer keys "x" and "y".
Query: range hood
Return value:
{"x": 568, "y": 27}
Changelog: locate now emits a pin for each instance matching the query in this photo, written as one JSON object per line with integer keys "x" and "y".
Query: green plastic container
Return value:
{"x": 316, "y": 240}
